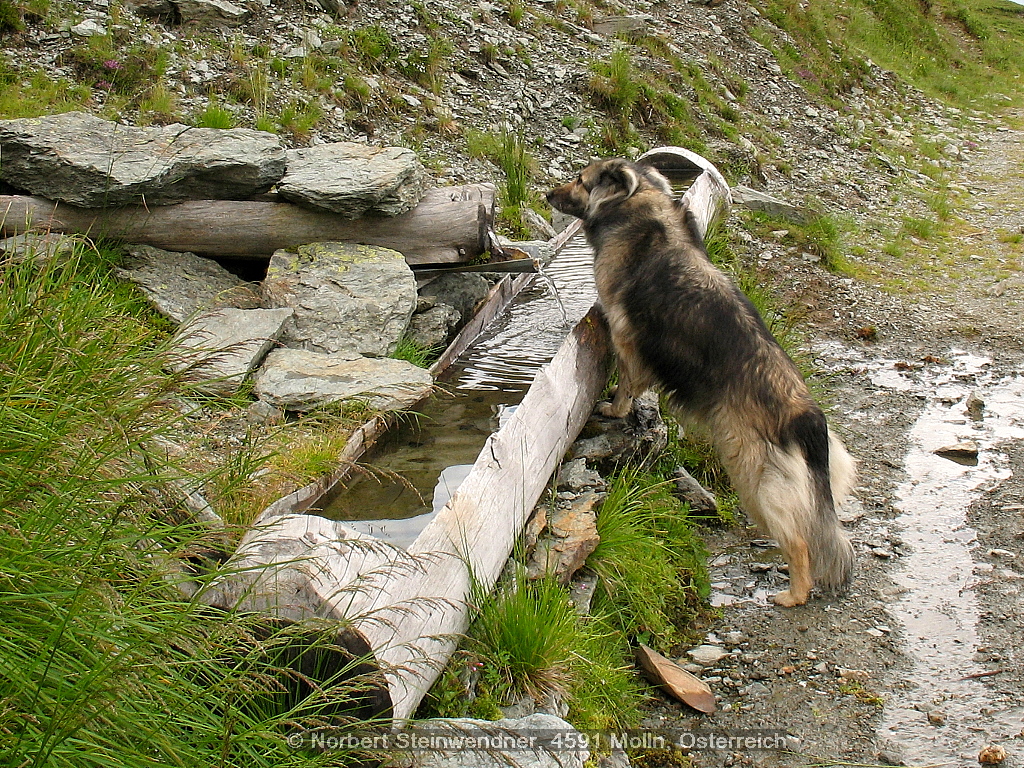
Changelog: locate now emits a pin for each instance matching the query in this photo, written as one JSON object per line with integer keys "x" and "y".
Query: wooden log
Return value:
{"x": 708, "y": 197}
{"x": 410, "y": 606}
{"x": 450, "y": 224}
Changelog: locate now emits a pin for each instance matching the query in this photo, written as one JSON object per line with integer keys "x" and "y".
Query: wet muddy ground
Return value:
{"x": 921, "y": 663}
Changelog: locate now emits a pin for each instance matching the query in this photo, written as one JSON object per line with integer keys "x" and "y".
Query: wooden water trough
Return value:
{"x": 409, "y": 607}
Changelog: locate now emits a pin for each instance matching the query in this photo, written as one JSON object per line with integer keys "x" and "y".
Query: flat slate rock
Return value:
{"x": 86, "y": 161}
{"x": 219, "y": 349}
{"x": 348, "y": 298}
{"x": 557, "y": 743}
{"x": 181, "y": 285}
{"x": 354, "y": 179}
{"x": 298, "y": 380}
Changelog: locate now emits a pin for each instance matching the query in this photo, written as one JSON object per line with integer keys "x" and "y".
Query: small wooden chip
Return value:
{"x": 676, "y": 681}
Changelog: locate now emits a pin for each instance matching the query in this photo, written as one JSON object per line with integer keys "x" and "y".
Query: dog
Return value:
{"x": 681, "y": 325}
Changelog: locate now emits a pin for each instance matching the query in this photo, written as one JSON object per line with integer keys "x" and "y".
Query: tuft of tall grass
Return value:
{"x": 650, "y": 561}
{"x": 509, "y": 151}
{"x": 103, "y": 661}
{"x": 528, "y": 639}
{"x": 214, "y": 115}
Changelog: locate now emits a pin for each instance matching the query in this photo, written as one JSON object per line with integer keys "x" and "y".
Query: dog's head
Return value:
{"x": 604, "y": 184}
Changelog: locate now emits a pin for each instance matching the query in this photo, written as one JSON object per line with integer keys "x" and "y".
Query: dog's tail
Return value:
{"x": 831, "y": 476}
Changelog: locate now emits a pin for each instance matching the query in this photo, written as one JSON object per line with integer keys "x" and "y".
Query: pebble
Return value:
{"x": 707, "y": 654}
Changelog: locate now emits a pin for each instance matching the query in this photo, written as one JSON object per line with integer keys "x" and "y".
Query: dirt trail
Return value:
{"x": 922, "y": 662}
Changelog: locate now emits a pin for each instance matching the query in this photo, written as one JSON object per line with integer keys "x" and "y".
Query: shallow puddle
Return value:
{"x": 939, "y": 719}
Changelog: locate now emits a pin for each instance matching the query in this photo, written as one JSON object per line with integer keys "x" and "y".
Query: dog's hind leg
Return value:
{"x": 800, "y": 580}
{"x": 775, "y": 490}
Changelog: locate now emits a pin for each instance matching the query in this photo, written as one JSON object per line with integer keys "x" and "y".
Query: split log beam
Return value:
{"x": 450, "y": 224}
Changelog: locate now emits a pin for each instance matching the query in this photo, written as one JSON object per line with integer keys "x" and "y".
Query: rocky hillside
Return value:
{"x": 572, "y": 79}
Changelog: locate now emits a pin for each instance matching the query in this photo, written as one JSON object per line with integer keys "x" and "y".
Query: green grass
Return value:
{"x": 962, "y": 51}
{"x": 102, "y": 660}
{"x": 650, "y": 561}
{"x": 413, "y": 352}
{"x": 215, "y": 116}
{"x": 509, "y": 151}
{"x": 528, "y": 639}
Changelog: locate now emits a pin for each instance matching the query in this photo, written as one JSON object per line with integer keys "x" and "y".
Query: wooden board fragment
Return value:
{"x": 676, "y": 681}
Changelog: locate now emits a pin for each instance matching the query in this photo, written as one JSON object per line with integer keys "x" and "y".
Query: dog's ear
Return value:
{"x": 616, "y": 182}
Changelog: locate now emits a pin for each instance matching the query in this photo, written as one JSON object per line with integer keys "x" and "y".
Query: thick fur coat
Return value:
{"x": 680, "y": 325}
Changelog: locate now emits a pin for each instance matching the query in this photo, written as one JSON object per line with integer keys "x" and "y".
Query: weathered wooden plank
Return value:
{"x": 450, "y": 224}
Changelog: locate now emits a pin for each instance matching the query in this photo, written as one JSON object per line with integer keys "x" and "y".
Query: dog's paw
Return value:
{"x": 608, "y": 410}
{"x": 787, "y": 599}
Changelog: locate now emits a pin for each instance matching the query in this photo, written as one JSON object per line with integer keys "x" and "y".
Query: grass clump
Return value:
{"x": 412, "y": 351}
{"x": 509, "y": 151}
{"x": 214, "y": 115}
{"x": 103, "y": 661}
{"x": 527, "y": 639}
{"x": 650, "y": 561}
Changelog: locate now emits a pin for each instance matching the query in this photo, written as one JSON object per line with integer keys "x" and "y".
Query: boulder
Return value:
{"x": 299, "y": 380}
{"x": 700, "y": 500}
{"x": 217, "y": 12}
{"x": 84, "y": 160}
{"x": 434, "y": 327}
{"x": 460, "y": 290}
{"x": 348, "y": 298}
{"x": 752, "y": 200}
{"x": 354, "y": 179}
{"x": 219, "y": 349}
{"x": 181, "y": 285}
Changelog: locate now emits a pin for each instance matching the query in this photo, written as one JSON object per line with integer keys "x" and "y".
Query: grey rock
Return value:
{"x": 581, "y": 592}
{"x": 263, "y": 413}
{"x": 538, "y": 225}
{"x": 87, "y": 161}
{"x": 575, "y": 476}
{"x": 180, "y": 285}
{"x": 755, "y": 689}
{"x": 462, "y": 291}
{"x": 348, "y": 298}
{"x": 434, "y": 327}
{"x": 539, "y": 757}
{"x": 635, "y": 439}
{"x": 751, "y": 199}
{"x": 40, "y": 246}
{"x": 353, "y": 179}
{"x": 299, "y": 380}
{"x": 611, "y": 26}
{"x": 219, "y": 349}
{"x": 153, "y": 7}
{"x": 89, "y": 28}
{"x": 707, "y": 654}
{"x": 693, "y": 493}
{"x": 211, "y": 12}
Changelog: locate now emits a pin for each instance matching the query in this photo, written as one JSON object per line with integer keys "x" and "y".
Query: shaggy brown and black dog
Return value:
{"x": 679, "y": 324}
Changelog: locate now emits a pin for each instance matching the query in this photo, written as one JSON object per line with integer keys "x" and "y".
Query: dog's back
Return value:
{"x": 680, "y": 324}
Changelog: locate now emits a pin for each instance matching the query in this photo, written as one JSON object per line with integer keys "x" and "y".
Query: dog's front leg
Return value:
{"x": 625, "y": 392}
